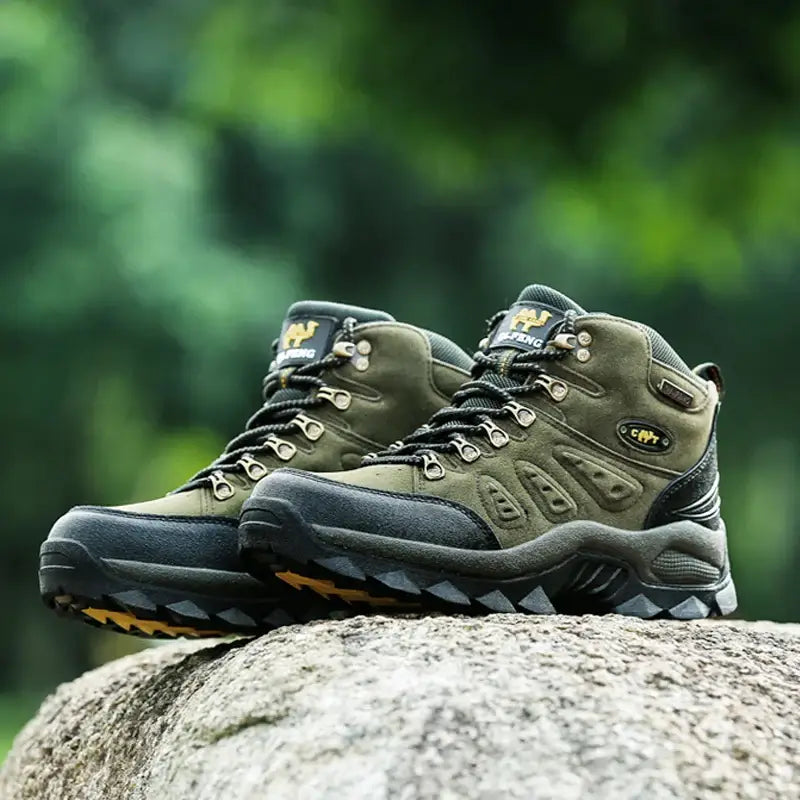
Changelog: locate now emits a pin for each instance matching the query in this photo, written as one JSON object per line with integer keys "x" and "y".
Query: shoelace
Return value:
{"x": 447, "y": 429}
{"x": 283, "y": 416}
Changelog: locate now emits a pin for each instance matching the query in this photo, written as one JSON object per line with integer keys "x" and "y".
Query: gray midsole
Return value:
{"x": 638, "y": 549}
{"x": 194, "y": 579}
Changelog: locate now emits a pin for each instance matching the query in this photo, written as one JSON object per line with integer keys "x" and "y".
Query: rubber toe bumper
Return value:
{"x": 413, "y": 517}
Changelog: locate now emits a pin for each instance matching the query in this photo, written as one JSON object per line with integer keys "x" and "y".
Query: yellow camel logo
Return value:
{"x": 644, "y": 436}
{"x": 297, "y": 333}
{"x": 529, "y": 318}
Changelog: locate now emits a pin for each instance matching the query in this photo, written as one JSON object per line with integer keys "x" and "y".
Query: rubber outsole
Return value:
{"x": 76, "y": 584}
{"x": 276, "y": 540}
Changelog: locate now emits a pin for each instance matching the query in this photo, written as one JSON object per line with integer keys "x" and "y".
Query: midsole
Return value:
{"x": 636, "y": 548}
{"x": 194, "y": 579}
{"x": 71, "y": 563}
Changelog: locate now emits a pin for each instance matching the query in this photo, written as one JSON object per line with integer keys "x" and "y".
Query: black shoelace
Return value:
{"x": 469, "y": 414}
{"x": 276, "y": 417}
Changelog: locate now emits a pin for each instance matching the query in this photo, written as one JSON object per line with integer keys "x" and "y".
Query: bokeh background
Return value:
{"x": 173, "y": 174}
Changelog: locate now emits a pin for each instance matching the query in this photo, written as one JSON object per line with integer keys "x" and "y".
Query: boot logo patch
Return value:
{"x": 526, "y": 327}
{"x": 304, "y": 340}
{"x": 298, "y": 332}
{"x": 644, "y": 436}
{"x": 528, "y": 318}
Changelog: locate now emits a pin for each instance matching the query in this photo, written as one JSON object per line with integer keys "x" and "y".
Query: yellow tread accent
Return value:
{"x": 127, "y": 621}
{"x": 328, "y": 589}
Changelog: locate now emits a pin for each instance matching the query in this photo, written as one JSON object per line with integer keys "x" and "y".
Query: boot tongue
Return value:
{"x": 529, "y": 322}
{"x": 310, "y": 329}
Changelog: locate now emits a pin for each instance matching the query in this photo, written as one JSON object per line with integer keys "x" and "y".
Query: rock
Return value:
{"x": 433, "y": 707}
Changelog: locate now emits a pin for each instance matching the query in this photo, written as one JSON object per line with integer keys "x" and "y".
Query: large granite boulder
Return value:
{"x": 435, "y": 707}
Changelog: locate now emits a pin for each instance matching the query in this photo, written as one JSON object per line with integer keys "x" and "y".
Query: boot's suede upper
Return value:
{"x": 402, "y": 386}
{"x": 633, "y": 420}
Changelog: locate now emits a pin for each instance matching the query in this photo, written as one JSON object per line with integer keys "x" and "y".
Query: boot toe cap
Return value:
{"x": 111, "y": 533}
{"x": 326, "y": 503}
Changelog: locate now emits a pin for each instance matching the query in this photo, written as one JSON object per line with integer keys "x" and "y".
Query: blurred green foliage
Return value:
{"x": 172, "y": 175}
{"x": 15, "y": 710}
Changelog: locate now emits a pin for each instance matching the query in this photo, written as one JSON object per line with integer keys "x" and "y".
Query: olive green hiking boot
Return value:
{"x": 345, "y": 381}
{"x": 576, "y": 472}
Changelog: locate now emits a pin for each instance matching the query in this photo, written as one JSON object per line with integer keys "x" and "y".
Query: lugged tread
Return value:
{"x": 691, "y": 608}
{"x": 279, "y": 618}
{"x": 128, "y": 623}
{"x": 726, "y": 599}
{"x": 93, "y": 612}
{"x": 341, "y": 565}
{"x": 89, "y": 595}
{"x": 237, "y": 617}
{"x": 182, "y": 619}
{"x": 188, "y": 610}
{"x": 398, "y": 580}
{"x": 134, "y": 600}
{"x": 496, "y": 601}
{"x": 537, "y": 602}
{"x": 449, "y": 593}
{"x": 639, "y": 606}
{"x": 333, "y": 589}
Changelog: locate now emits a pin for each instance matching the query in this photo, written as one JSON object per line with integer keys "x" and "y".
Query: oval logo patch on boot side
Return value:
{"x": 644, "y": 436}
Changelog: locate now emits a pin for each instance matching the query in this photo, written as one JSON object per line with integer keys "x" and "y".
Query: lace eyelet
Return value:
{"x": 467, "y": 451}
{"x": 340, "y": 398}
{"x": 283, "y": 449}
{"x": 312, "y": 429}
{"x": 220, "y": 486}
{"x": 344, "y": 349}
{"x": 431, "y": 466}
{"x": 556, "y": 389}
{"x": 497, "y": 436}
{"x": 255, "y": 470}
{"x": 524, "y": 416}
{"x": 564, "y": 341}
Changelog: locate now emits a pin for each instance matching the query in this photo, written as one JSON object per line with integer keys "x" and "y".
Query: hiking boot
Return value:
{"x": 345, "y": 381}
{"x": 577, "y": 472}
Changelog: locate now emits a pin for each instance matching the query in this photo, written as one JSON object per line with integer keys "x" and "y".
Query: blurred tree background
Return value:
{"x": 172, "y": 175}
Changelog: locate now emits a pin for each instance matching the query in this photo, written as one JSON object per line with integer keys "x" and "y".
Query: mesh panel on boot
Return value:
{"x": 663, "y": 352}
{"x": 442, "y": 349}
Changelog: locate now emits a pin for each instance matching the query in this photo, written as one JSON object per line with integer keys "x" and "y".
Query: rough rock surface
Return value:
{"x": 434, "y": 707}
